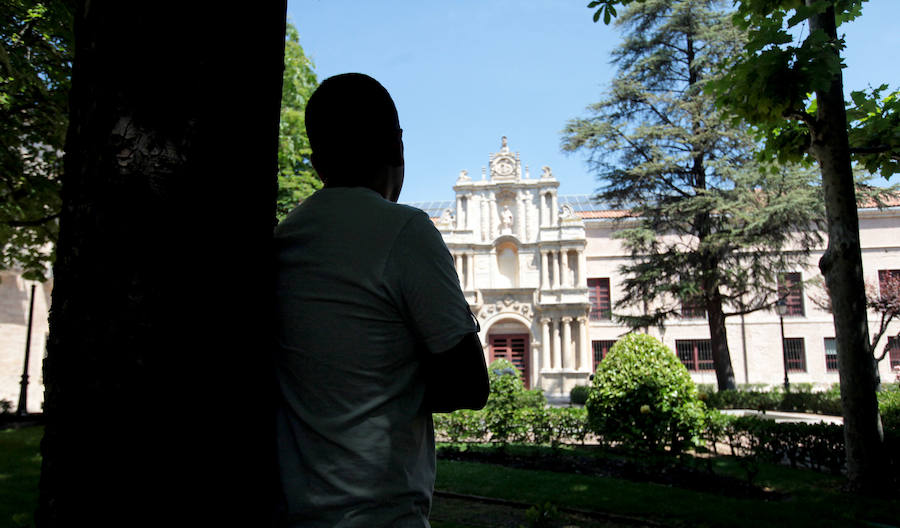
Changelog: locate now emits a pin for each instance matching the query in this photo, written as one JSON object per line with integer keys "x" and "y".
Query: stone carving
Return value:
{"x": 504, "y": 146}
{"x": 506, "y": 219}
{"x": 567, "y": 212}
{"x": 507, "y": 305}
{"x": 447, "y": 216}
{"x": 464, "y": 176}
{"x": 546, "y": 172}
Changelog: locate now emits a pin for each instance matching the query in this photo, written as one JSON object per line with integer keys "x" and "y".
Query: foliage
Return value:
{"x": 579, "y": 394}
{"x": 296, "y": 177}
{"x": 709, "y": 224}
{"x": 507, "y": 396}
{"x": 889, "y": 406}
{"x": 35, "y": 70}
{"x": 542, "y": 515}
{"x": 643, "y": 397}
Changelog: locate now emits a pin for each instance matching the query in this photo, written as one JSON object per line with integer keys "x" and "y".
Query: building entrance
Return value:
{"x": 514, "y": 348}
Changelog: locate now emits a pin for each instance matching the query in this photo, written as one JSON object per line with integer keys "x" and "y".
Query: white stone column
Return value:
{"x": 557, "y": 346}
{"x": 565, "y": 270}
{"x": 556, "y": 275}
{"x": 520, "y": 218}
{"x": 582, "y": 269}
{"x": 585, "y": 362}
{"x": 545, "y": 270}
{"x": 568, "y": 361}
{"x": 485, "y": 221}
{"x": 470, "y": 271}
{"x": 526, "y": 216}
{"x": 459, "y": 268}
{"x": 459, "y": 212}
{"x": 545, "y": 343}
{"x": 554, "y": 213}
{"x": 495, "y": 224}
{"x": 543, "y": 208}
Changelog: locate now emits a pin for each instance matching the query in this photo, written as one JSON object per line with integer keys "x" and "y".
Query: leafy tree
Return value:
{"x": 709, "y": 223}
{"x": 296, "y": 177}
{"x": 35, "y": 63}
{"x": 769, "y": 84}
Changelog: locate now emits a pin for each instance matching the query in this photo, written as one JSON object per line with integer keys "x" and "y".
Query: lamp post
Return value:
{"x": 781, "y": 309}
{"x": 22, "y": 409}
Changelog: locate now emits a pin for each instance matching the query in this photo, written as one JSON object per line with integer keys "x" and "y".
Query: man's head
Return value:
{"x": 355, "y": 135}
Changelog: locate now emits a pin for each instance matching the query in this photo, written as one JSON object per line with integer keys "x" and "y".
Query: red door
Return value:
{"x": 514, "y": 348}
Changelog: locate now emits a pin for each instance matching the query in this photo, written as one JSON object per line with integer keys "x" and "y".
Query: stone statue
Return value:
{"x": 463, "y": 175}
{"x": 547, "y": 173}
{"x": 506, "y": 220}
{"x": 503, "y": 144}
{"x": 447, "y": 216}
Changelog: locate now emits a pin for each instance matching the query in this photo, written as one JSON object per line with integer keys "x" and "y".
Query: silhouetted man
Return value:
{"x": 374, "y": 331}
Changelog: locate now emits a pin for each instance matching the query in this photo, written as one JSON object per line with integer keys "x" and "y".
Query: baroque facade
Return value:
{"x": 541, "y": 273}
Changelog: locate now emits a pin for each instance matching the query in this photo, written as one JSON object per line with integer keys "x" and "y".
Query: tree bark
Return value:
{"x": 842, "y": 267}
{"x": 718, "y": 341}
{"x": 159, "y": 388}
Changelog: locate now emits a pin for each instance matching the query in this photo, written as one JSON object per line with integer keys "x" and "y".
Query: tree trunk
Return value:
{"x": 718, "y": 341}
{"x": 842, "y": 267}
{"x": 158, "y": 402}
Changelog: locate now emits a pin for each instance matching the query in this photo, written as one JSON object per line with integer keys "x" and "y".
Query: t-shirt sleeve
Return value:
{"x": 420, "y": 270}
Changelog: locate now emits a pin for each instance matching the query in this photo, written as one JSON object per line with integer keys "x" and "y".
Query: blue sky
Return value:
{"x": 466, "y": 72}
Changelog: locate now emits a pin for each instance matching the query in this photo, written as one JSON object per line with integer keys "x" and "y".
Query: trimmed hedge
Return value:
{"x": 579, "y": 394}
{"x": 643, "y": 397}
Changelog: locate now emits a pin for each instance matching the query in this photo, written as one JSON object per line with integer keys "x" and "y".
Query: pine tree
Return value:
{"x": 710, "y": 224}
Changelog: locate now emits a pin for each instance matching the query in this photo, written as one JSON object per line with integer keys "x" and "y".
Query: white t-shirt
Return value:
{"x": 363, "y": 285}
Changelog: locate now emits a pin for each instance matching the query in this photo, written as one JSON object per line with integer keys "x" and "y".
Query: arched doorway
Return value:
{"x": 511, "y": 340}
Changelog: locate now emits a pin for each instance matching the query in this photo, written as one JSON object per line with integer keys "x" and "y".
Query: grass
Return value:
{"x": 20, "y": 470}
{"x": 813, "y": 499}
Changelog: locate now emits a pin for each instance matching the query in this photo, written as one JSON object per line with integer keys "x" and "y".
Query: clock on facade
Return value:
{"x": 504, "y": 167}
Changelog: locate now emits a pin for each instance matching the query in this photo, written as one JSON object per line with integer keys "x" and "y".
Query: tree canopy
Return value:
{"x": 35, "y": 66}
{"x": 710, "y": 222}
{"x": 296, "y": 177}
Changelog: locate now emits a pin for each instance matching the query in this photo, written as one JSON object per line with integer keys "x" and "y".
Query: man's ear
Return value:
{"x": 396, "y": 154}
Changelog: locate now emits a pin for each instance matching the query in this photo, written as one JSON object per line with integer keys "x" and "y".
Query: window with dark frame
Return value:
{"x": 894, "y": 351}
{"x": 601, "y": 349}
{"x": 601, "y": 304}
{"x": 693, "y": 308}
{"x": 795, "y": 352}
{"x": 790, "y": 287}
{"x": 696, "y": 354}
{"x": 888, "y": 282}
{"x": 831, "y": 357}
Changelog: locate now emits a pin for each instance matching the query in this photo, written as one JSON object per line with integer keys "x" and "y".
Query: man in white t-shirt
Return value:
{"x": 374, "y": 333}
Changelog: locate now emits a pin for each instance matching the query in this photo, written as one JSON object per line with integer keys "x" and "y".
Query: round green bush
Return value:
{"x": 643, "y": 397}
{"x": 579, "y": 394}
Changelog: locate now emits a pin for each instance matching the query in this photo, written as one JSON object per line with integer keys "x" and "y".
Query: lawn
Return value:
{"x": 807, "y": 498}
{"x": 20, "y": 469}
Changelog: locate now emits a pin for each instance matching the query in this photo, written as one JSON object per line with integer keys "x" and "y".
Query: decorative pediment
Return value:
{"x": 507, "y": 305}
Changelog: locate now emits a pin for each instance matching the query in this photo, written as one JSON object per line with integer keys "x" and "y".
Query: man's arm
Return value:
{"x": 457, "y": 378}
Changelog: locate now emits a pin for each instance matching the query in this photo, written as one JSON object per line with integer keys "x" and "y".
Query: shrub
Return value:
{"x": 889, "y": 406}
{"x": 507, "y": 396}
{"x": 643, "y": 396}
{"x": 579, "y": 394}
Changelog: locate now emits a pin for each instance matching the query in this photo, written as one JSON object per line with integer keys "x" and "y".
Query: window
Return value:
{"x": 795, "y": 352}
{"x": 831, "y": 357}
{"x": 512, "y": 347}
{"x": 790, "y": 286}
{"x": 696, "y": 354}
{"x": 693, "y": 308}
{"x": 598, "y": 292}
{"x": 888, "y": 283}
{"x": 894, "y": 347}
{"x": 601, "y": 348}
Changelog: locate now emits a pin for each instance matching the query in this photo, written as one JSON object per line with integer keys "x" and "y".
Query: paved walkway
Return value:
{"x": 782, "y": 416}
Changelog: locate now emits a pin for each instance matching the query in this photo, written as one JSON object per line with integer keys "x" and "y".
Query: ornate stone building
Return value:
{"x": 522, "y": 267}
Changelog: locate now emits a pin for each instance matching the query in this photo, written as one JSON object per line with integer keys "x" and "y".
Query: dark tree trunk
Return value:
{"x": 158, "y": 401}
{"x": 842, "y": 267}
{"x": 718, "y": 341}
